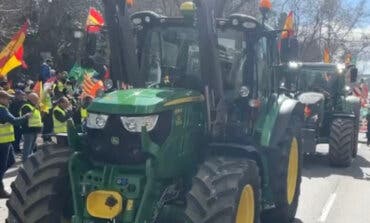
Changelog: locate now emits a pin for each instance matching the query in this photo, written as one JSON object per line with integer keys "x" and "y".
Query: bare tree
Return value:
{"x": 326, "y": 23}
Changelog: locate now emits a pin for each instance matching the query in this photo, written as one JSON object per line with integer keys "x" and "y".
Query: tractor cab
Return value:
{"x": 326, "y": 82}
{"x": 170, "y": 57}
{"x": 168, "y": 51}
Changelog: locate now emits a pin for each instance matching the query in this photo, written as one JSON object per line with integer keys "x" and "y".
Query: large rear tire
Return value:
{"x": 341, "y": 145}
{"x": 41, "y": 192}
{"x": 225, "y": 190}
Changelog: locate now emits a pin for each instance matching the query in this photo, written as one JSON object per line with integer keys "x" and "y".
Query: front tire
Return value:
{"x": 41, "y": 191}
{"x": 341, "y": 142}
{"x": 286, "y": 177}
{"x": 225, "y": 190}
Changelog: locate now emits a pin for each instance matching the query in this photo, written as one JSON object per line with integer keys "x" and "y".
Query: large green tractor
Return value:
{"x": 331, "y": 112}
{"x": 207, "y": 135}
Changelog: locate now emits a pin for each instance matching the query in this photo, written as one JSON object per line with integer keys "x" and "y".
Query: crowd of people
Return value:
{"x": 27, "y": 113}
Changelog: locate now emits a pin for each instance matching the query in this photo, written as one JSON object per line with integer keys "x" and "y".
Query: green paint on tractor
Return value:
{"x": 143, "y": 101}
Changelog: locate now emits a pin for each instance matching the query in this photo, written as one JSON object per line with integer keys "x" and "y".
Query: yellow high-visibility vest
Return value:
{"x": 84, "y": 113}
{"x": 60, "y": 86}
{"x": 59, "y": 127}
{"x": 35, "y": 120}
{"x": 6, "y": 131}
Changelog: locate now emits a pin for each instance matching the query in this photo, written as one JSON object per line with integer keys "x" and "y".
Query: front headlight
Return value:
{"x": 134, "y": 124}
{"x": 96, "y": 121}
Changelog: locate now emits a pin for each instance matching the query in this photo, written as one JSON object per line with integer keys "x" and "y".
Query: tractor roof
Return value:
{"x": 336, "y": 68}
{"x": 235, "y": 21}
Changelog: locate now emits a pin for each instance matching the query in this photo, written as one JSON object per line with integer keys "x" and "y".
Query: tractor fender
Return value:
{"x": 240, "y": 150}
{"x": 351, "y": 104}
{"x": 351, "y": 109}
{"x": 287, "y": 110}
{"x": 344, "y": 115}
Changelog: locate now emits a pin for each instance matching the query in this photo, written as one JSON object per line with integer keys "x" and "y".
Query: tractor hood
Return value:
{"x": 143, "y": 101}
{"x": 309, "y": 98}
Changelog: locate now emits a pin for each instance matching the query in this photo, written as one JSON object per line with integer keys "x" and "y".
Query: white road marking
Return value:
{"x": 326, "y": 210}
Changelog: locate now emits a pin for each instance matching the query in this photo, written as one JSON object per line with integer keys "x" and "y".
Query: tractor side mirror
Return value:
{"x": 289, "y": 50}
{"x": 353, "y": 73}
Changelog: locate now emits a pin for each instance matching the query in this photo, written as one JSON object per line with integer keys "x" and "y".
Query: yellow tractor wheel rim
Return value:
{"x": 292, "y": 171}
{"x": 246, "y": 206}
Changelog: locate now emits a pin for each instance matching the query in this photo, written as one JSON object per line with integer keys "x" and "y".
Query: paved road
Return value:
{"x": 331, "y": 195}
{"x": 9, "y": 177}
{"x": 328, "y": 195}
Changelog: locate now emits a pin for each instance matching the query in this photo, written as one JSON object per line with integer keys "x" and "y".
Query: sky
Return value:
{"x": 363, "y": 62}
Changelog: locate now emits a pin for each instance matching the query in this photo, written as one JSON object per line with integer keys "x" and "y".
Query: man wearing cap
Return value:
{"x": 7, "y": 120}
{"x": 33, "y": 126}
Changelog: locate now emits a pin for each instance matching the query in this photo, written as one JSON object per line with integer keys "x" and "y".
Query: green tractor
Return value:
{"x": 207, "y": 135}
{"x": 331, "y": 112}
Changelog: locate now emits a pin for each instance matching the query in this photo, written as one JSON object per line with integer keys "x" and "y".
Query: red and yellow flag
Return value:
{"x": 348, "y": 59}
{"x": 288, "y": 26}
{"x": 95, "y": 21}
{"x": 39, "y": 90}
{"x": 326, "y": 55}
{"x": 12, "y": 55}
{"x": 91, "y": 87}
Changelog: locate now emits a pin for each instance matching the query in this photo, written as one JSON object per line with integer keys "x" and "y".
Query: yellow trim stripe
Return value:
{"x": 185, "y": 100}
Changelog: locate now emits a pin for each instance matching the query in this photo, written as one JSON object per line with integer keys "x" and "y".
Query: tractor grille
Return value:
{"x": 115, "y": 145}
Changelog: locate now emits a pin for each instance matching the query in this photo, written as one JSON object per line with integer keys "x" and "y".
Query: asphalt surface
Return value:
{"x": 335, "y": 195}
{"x": 328, "y": 195}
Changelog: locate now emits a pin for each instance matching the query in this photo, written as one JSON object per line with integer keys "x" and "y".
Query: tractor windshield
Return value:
{"x": 171, "y": 57}
{"x": 232, "y": 55}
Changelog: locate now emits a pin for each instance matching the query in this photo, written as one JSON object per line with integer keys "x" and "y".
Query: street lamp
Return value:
{"x": 78, "y": 34}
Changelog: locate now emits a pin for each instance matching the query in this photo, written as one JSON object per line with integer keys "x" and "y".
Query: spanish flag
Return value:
{"x": 326, "y": 55}
{"x": 288, "y": 26}
{"x": 12, "y": 55}
{"x": 95, "y": 21}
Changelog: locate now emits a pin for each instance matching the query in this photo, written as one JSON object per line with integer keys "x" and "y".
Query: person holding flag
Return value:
{"x": 7, "y": 120}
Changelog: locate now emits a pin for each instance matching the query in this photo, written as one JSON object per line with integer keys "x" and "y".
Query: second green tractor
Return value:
{"x": 332, "y": 113}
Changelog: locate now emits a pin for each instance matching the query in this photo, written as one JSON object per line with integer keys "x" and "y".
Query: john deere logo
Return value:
{"x": 114, "y": 140}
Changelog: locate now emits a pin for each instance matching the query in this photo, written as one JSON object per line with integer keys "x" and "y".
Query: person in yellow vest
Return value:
{"x": 7, "y": 120}
{"x": 62, "y": 112}
{"x": 33, "y": 126}
{"x": 47, "y": 118}
{"x": 60, "y": 89}
{"x": 85, "y": 102}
